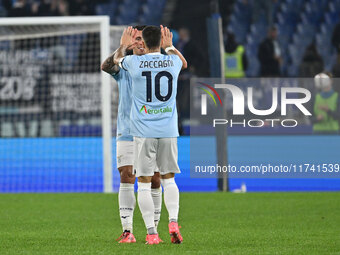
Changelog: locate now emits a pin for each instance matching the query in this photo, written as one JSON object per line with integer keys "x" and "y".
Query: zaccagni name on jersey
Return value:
{"x": 156, "y": 63}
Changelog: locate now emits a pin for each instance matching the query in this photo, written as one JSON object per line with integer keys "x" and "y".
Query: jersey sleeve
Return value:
{"x": 117, "y": 75}
{"x": 177, "y": 61}
{"x": 125, "y": 62}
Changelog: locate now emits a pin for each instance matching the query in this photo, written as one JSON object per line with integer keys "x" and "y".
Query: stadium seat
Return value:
{"x": 121, "y": 13}
{"x": 147, "y": 15}
{"x": 295, "y": 4}
{"x": 298, "y": 23}
{"x": 130, "y": 2}
{"x": 296, "y": 53}
{"x": 284, "y": 42}
{"x": 242, "y": 12}
{"x": 241, "y": 7}
{"x": 259, "y": 31}
{"x": 331, "y": 62}
{"x": 285, "y": 30}
{"x": 323, "y": 40}
{"x": 284, "y": 21}
{"x": 332, "y": 17}
{"x": 240, "y": 32}
{"x": 109, "y": 9}
{"x": 290, "y": 13}
{"x": 251, "y": 46}
{"x": 146, "y": 18}
{"x": 301, "y": 41}
{"x": 311, "y": 15}
{"x": 127, "y": 14}
{"x": 334, "y": 5}
{"x": 306, "y": 30}
{"x": 293, "y": 70}
{"x": 156, "y": 4}
{"x": 236, "y": 20}
{"x": 253, "y": 66}
{"x": 276, "y": 8}
{"x": 320, "y": 5}
{"x": 2, "y": 11}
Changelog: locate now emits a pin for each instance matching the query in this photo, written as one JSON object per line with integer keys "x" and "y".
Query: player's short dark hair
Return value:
{"x": 139, "y": 27}
{"x": 152, "y": 36}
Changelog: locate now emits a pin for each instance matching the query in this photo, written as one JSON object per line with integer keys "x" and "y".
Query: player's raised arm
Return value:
{"x": 126, "y": 42}
{"x": 109, "y": 66}
{"x": 169, "y": 48}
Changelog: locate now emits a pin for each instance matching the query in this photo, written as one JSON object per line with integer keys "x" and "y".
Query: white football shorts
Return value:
{"x": 155, "y": 154}
{"x": 124, "y": 153}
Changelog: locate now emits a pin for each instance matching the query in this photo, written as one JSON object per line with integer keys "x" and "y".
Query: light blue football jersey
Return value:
{"x": 154, "y": 88}
{"x": 124, "y": 105}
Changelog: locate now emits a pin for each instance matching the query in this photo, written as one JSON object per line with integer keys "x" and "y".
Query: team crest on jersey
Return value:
{"x": 119, "y": 158}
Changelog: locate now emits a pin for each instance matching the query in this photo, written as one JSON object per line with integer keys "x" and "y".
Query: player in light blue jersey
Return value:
{"x": 124, "y": 140}
{"x": 154, "y": 103}
{"x": 154, "y": 122}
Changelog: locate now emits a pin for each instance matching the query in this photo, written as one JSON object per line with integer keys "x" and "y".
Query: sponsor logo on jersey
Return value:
{"x": 155, "y": 111}
{"x": 143, "y": 109}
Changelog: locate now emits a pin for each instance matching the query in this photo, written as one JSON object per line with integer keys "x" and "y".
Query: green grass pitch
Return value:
{"x": 212, "y": 223}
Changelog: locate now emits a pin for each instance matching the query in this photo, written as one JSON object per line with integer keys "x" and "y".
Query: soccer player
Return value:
{"x": 126, "y": 196}
{"x": 154, "y": 121}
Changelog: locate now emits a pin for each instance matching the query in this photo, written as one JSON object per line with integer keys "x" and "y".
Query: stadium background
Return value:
{"x": 41, "y": 162}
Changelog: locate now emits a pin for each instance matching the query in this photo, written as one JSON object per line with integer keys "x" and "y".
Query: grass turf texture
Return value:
{"x": 212, "y": 223}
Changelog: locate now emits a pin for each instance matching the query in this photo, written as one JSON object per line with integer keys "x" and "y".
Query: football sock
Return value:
{"x": 127, "y": 203}
{"x": 146, "y": 206}
{"x": 171, "y": 198}
{"x": 157, "y": 201}
{"x": 152, "y": 231}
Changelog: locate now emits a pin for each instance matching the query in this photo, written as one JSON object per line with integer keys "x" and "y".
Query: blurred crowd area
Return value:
{"x": 262, "y": 38}
{"x": 28, "y": 8}
{"x": 294, "y": 38}
{"x": 271, "y": 38}
{"x": 121, "y": 12}
{"x": 281, "y": 38}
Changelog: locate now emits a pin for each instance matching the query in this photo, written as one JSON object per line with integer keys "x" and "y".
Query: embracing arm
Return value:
{"x": 109, "y": 66}
{"x": 120, "y": 53}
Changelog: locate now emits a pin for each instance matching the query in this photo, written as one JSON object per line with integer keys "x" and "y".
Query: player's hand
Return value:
{"x": 166, "y": 37}
{"x": 128, "y": 38}
{"x": 132, "y": 46}
{"x": 320, "y": 118}
{"x": 324, "y": 108}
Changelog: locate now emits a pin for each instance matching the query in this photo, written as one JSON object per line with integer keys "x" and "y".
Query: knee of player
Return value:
{"x": 156, "y": 181}
{"x": 144, "y": 179}
{"x": 168, "y": 176}
{"x": 126, "y": 175}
